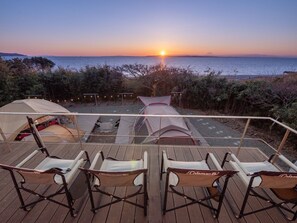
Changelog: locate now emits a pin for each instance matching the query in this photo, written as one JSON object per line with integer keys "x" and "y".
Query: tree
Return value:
{"x": 155, "y": 80}
{"x": 39, "y": 63}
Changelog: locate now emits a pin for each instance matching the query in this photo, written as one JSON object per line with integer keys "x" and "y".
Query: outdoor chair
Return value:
{"x": 115, "y": 173}
{"x": 267, "y": 176}
{"x": 50, "y": 171}
{"x": 196, "y": 174}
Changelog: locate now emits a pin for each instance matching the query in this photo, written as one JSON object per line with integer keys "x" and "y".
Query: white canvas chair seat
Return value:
{"x": 116, "y": 173}
{"x": 252, "y": 167}
{"x": 266, "y": 175}
{"x": 195, "y": 174}
{"x": 113, "y": 166}
{"x": 68, "y": 167}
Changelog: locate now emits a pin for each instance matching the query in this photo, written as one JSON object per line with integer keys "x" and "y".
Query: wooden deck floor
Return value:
{"x": 123, "y": 212}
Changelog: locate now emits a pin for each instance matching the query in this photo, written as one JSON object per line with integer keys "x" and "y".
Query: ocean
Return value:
{"x": 226, "y": 65}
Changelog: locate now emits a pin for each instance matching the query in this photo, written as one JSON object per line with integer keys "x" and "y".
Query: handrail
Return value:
{"x": 288, "y": 129}
{"x": 147, "y": 115}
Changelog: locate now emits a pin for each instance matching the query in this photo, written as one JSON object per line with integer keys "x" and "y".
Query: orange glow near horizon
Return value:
{"x": 162, "y": 53}
{"x": 153, "y": 49}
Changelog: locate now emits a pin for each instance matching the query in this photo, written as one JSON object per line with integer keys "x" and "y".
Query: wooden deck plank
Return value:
{"x": 128, "y": 210}
{"x": 82, "y": 215}
{"x": 169, "y": 216}
{"x": 80, "y": 203}
{"x": 232, "y": 192}
{"x": 86, "y": 215}
{"x": 154, "y": 194}
{"x": 181, "y": 213}
{"x": 11, "y": 160}
{"x": 193, "y": 210}
{"x": 116, "y": 209}
{"x": 102, "y": 214}
{"x": 275, "y": 216}
{"x": 48, "y": 211}
{"x": 139, "y": 213}
{"x": 61, "y": 213}
{"x": 206, "y": 213}
{"x": 19, "y": 215}
{"x": 256, "y": 203}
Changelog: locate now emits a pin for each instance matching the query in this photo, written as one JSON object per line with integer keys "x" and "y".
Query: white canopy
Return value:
{"x": 155, "y": 100}
{"x": 12, "y": 125}
{"x": 163, "y": 127}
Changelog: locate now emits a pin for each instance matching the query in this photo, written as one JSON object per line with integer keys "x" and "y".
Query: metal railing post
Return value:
{"x": 243, "y": 135}
{"x": 132, "y": 132}
{"x": 159, "y": 130}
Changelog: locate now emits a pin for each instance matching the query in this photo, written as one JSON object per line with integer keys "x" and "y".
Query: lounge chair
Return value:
{"x": 267, "y": 176}
{"x": 50, "y": 171}
{"x": 114, "y": 173}
{"x": 195, "y": 174}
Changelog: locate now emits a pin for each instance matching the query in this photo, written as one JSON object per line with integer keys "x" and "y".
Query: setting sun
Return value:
{"x": 162, "y": 53}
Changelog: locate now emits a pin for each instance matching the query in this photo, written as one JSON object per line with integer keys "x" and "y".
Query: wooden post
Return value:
{"x": 243, "y": 135}
{"x": 281, "y": 145}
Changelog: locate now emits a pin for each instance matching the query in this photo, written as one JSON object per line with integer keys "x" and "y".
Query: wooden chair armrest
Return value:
{"x": 215, "y": 161}
{"x": 288, "y": 162}
{"x": 95, "y": 160}
{"x": 145, "y": 160}
{"x": 239, "y": 164}
{"x": 78, "y": 157}
{"x": 27, "y": 158}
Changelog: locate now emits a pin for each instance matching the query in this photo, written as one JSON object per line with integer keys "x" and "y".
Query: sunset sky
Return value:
{"x": 142, "y": 27}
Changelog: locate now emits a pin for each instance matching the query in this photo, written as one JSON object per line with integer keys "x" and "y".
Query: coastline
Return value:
{"x": 251, "y": 77}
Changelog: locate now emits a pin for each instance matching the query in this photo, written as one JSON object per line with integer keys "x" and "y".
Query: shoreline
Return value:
{"x": 251, "y": 76}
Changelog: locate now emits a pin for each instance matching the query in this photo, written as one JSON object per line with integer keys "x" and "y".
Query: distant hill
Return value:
{"x": 11, "y": 54}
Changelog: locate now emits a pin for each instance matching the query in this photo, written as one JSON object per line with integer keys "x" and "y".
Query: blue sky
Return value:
{"x": 190, "y": 27}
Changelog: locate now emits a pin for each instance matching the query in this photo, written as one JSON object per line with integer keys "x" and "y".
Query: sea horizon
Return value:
{"x": 227, "y": 65}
